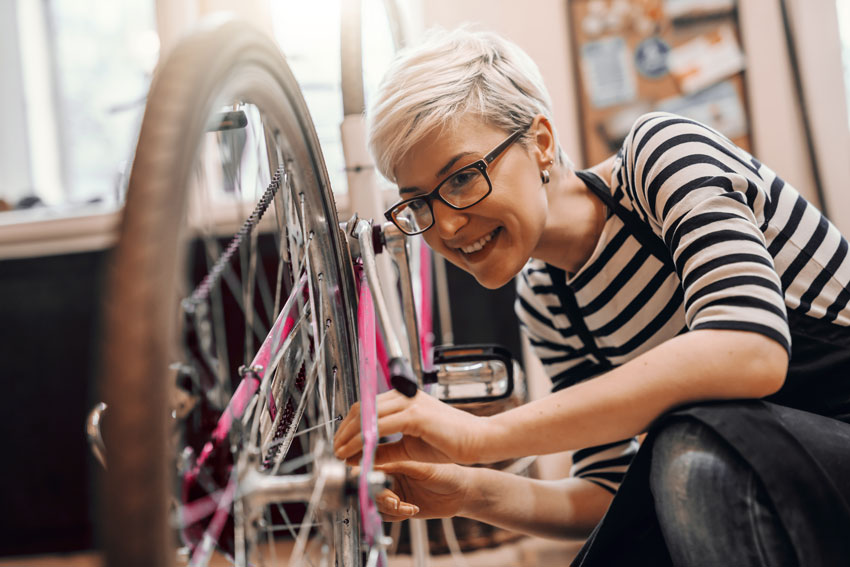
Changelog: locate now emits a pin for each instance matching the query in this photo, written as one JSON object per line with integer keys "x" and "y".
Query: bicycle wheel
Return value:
{"x": 226, "y": 141}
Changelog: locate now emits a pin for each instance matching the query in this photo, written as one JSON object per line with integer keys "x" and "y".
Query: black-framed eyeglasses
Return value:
{"x": 467, "y": 186}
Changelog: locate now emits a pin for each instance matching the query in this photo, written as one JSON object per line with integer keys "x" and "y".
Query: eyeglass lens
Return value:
{"x": 463, "y": 189}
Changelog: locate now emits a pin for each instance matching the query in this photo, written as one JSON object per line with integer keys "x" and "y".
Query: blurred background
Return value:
{"x": 773, "y": 75}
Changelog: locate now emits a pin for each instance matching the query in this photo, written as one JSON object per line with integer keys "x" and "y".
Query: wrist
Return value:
{"x": 477, "y": 494}
{"x": 492, "y": 441}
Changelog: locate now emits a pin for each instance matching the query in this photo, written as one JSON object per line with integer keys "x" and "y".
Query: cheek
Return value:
{"x": 436, "y": 245}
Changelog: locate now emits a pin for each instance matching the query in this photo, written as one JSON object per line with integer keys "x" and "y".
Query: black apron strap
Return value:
{"x": 573, "y": 313}
{"x": 637, "y": 227}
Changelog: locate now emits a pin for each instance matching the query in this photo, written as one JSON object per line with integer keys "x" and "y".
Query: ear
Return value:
{"x": 543, "y": 147}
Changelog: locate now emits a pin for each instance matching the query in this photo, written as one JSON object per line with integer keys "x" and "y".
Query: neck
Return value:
{"x": 574, "y": 222}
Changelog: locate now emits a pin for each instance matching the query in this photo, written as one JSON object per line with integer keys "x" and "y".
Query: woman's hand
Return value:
{"x": 432, "y": 431}
{"x": 423, "y": 490}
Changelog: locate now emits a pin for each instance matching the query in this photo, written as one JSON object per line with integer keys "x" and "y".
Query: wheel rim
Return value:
{"x": 233, "y": 167}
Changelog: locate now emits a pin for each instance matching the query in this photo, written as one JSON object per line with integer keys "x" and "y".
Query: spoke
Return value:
{"x": 289, "y": 526}
{"x": 203, "y": 552}
{"x": 265, "y": 291}
{"x": 303, "y": 532}
{"x": 282, "y": 350}
{"x": 304, "y": 431}
{"x": 196, "y": 510}
{"x": 272, "y": 550}
{"x": 283, "y": 528}
{"x": 317, "y": 317}
{"x": 233, "y": 283}
{"x": 248, "y": 271}
{"x": 308, "y": 389}
{"x": 313, "y": 428}
{"x": 297, "y": 463}
{"x": 267, "y": 383}
{"x": 223, "y": 370}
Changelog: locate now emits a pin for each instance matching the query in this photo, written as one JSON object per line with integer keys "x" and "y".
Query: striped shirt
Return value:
{"x": 744, "y": 248}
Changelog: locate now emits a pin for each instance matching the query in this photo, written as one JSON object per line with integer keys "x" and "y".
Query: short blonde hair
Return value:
{"x": 453, "y": 74}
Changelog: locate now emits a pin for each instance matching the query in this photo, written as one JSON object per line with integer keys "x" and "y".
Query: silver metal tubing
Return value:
{"x": 396, "y": 243}
{"x": 337, "y": 486}
{"x": 363, "y": 232}
{"x": 444, "y": 313}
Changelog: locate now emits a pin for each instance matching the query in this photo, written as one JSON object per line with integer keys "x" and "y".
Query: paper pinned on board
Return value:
{"x": 696, "y": 8}
{"x": 608, "y": 72}
{"x": 706, "y": 60}
{"x": 718, "y": 106}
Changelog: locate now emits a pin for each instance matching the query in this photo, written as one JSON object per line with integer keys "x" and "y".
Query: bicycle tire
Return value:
{"x": 223, "y": 62}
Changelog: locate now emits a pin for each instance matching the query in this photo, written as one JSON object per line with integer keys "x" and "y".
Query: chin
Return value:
{"x": 493, "y": 281}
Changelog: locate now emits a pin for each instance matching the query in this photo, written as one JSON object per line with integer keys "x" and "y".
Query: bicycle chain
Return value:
{"x": 202, "y": 292}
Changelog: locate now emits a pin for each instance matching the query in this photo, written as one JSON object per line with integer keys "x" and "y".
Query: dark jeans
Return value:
{"x": 711, "y": 507}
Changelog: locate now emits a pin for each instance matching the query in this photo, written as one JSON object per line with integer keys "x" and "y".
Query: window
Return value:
{"x": 309, "y": 35}
{"x": 84, "y": 69}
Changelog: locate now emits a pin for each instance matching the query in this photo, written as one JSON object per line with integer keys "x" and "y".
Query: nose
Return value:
{"x": 448, "y": 221}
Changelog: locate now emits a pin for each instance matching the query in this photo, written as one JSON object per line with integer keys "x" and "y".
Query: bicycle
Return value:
{"x": 224, "y": 111}
{"x": 226, "y": 132}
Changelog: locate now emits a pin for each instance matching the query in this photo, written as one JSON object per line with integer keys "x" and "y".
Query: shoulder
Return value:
{"x": 665, "y": 154}
{"x": 659, "y": 135}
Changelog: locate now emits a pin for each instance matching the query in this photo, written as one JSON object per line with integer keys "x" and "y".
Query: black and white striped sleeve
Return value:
{"x": 704, "y": 196}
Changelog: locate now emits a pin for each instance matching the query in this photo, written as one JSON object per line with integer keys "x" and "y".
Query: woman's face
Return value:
{"x": 494, "y": 238}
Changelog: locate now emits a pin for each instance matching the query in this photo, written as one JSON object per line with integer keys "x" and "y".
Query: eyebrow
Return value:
{"x": 445, "y": 169}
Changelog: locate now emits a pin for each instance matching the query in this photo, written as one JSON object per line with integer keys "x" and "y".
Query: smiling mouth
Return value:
{"x": 478, "y": 246}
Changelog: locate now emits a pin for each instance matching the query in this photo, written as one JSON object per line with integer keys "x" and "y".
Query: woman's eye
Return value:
{"x": 461, "y": 180}
{"x": 418, "y": 205}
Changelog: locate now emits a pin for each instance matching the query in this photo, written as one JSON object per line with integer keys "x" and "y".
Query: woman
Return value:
{"x": 672, "y": 288}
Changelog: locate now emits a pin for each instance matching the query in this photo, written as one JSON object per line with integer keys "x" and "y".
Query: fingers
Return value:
{"x": 393, "y": 508}
{"x": 349, "y": 426}
{"x": 348, "y": 439}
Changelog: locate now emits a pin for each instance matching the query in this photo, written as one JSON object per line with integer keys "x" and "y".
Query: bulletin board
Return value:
{"x": 636, "y": 56}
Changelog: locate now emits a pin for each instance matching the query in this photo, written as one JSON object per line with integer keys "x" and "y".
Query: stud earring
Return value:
{"x": 544, "y": 176}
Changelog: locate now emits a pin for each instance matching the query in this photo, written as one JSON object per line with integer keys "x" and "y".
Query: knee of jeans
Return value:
{"x": 690, "y": 465}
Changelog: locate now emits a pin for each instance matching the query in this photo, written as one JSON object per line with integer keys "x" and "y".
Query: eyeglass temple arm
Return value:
{"x": 497, "y": 151}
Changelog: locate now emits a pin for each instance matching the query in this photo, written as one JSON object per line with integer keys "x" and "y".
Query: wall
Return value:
{"x": 540, "y": 28}
{"x": 775, "y": 113}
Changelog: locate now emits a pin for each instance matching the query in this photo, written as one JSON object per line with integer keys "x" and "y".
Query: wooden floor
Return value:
{"x": 528, "y": 552}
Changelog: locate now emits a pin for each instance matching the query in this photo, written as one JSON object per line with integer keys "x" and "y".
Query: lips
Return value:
{"x": 480, "y": 244}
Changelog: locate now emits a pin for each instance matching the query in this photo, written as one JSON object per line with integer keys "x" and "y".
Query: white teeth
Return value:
{"x": 476, "y": 246}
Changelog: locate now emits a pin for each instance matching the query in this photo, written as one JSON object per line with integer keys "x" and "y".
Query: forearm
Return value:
{"x": 560, "y": 509}
{"x": 696, "y": 366}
